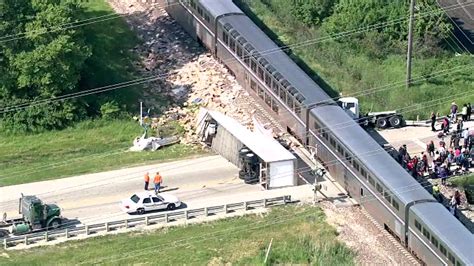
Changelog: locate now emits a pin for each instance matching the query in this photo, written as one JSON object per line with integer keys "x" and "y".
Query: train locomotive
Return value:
{"x": 368, "y": 173}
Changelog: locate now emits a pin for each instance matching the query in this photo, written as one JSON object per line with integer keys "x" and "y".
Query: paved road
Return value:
{"x": 94, "y": 197}
{"x": 415, "y": 138}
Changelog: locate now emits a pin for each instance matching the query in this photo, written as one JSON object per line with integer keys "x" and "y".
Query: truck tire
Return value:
{"x": 395, "y": 121}
{"x": 381, "y": 122}
{"x": 55, "y": 224}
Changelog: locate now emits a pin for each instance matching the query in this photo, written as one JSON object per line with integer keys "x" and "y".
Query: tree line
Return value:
{"x": 44, "y": 54}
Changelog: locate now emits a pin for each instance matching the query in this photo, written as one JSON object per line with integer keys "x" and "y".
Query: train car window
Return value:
{"x": 458, "y": 263}
{"x": 434, "y": 241}
{"x": 253, "y": 85}
{"x": 199, "y": 9}
{"x": 363, "y": 172}
{"x": 325, "y": 135}
{"x": 193, "y": 4}
{"x": 260, "y": 92}
{"x": 207, "y": 18}
{"x": 246, "y": 57}
{"x": 340, "y": 150}
{"x": 451, "y": 257}
{"x": 275, "y": 106}
{"x": 260, "y": 72}
{"x": 289, "y": 101}
{"x": 348, "y": 158}
{"x": 371, "y": 181}
{"x": 253, "y": 65}
{"x": 297, "y": 108}
{"x": 379, "y": 188}
{"x": 232, "y": 44}
{"x": 282, "y": 94}
{"x": 442, "y": 249}
{"x": 275, "y": 87}
{"x": 395, "y": 205}
{"x": 361, "y": 191}
{"x": 268, "y": 80}
{"x": 332, "y": 141}
{"x": 417, "y": 225}
{"x": 386, "y": 194}
{"x": 239, "y": 51}
{"x": 268, "y": 99}
{"x": 356, "y": 165}
{"x": 426, "y": 233}
{"x": 225, "y": 37}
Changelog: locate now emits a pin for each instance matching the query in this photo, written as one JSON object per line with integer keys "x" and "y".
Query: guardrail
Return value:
{"x": 162, "y": 218}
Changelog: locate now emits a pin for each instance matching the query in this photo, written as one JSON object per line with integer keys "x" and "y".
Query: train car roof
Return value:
{"x": 374, "y": 158}
{"x": 447, "y": 229}
{"x": 219, "y": 7}
{"x": 277, "y": 58}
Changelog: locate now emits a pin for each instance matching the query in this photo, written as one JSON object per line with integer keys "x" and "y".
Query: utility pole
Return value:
{"x": 410, "y": 41}
{"x": 141, "y": 113}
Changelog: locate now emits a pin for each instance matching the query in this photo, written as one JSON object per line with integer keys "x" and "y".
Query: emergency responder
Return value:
{"x": 436, "y": 193}
{"x": 158, "y": 179}
{"x": 147, "y": 180}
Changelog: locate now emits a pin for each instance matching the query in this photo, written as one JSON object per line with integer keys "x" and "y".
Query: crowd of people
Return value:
{"x": 445, "y": 159}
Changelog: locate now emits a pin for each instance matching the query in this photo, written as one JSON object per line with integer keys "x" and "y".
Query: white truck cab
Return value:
{"x": 380, "y": 119}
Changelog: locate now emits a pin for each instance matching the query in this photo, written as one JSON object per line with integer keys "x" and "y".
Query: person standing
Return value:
{"x": 430, "y": 148}
{"x": 147, "y": 180}
{"x": 469, "y": 111}
{"x": 464, "y": 112}
{"x": 433, "y": 121}
{"x": 158, "y": 180}
{"x": 454, "y": 111}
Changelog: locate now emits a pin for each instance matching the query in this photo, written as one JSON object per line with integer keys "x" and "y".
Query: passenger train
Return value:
{"x": 369, "y": 174}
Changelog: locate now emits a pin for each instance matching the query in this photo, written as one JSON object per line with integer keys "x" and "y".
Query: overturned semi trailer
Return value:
{"x": 227, "y": 137}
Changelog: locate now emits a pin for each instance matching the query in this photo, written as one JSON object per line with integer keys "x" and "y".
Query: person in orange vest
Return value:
{"x": 147, "y": 180}
{"x": 158, "y": 179}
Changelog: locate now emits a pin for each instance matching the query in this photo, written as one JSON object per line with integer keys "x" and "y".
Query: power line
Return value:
{"x": 157, "y": 77}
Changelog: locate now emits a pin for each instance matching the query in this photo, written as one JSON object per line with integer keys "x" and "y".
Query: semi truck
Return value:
{"x": 36, "y": 215}
{"x": 382, "y": 120}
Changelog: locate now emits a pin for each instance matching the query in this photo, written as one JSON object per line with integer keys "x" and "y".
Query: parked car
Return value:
{"x": 148, "y": 201}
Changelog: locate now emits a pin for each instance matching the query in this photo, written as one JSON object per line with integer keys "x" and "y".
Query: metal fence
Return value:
{"x": 162, "y": 218}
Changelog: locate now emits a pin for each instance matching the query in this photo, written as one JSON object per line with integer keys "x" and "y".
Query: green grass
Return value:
{"x": 463, "y": 181}
{"x": 113, "y": 60}
{"x": 300, "y": 236}
{"x": 87, "y": 147}
{"x": 353, "y": 72}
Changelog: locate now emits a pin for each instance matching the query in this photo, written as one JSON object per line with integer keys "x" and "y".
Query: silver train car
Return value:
{"x": 388, "y": 193}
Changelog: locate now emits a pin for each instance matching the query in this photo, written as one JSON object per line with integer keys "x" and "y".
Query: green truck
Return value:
{"x": 36, "y": 216}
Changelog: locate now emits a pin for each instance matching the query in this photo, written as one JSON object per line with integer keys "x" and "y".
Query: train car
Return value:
{"x": 366, "y": 171}
{"x": 268, "y": 73}
{"x": 198, "y": 17}
{"x": 437, "y": 237}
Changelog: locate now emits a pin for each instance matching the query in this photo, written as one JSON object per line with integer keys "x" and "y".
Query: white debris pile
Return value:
{"x": 192, "y": 77}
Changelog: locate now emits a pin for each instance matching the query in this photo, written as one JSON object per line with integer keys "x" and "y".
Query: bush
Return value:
{"x": 312, "y": 12}
{"x": 110, "y": 110}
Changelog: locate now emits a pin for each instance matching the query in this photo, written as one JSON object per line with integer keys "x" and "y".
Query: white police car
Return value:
{"x": 147, "y": 201}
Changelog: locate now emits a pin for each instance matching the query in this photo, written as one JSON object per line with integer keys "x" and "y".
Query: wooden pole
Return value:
{"x": 410, "y": 42}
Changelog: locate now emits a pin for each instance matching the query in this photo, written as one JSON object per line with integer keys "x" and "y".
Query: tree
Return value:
{"x": 390, "y": 18}
{"x": 312, "y": 12}
{"x": 40, "y": 59}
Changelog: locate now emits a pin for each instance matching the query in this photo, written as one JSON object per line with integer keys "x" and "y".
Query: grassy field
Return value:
{"x": 353, "y": 72}
{"x": 88, "y": 147}
{"x": 300, "y": 236}
{"x": 113, "y": 60}
{"x": 463, "y": 181}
